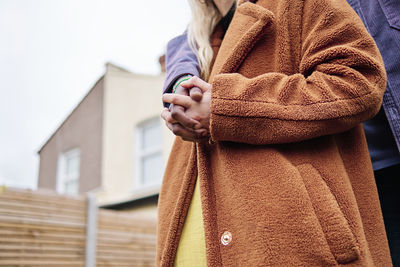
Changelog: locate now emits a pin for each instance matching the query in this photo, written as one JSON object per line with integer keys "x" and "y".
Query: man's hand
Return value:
{"x": 178, "y": 112}
{"x": 199, "y": 111}
{"x": 181, "y": 124}
{"x": 186, "y": 123}
{"x": 186, "y": 134}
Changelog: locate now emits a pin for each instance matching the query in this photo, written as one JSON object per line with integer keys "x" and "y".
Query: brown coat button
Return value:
{"x": 226, "y": 238}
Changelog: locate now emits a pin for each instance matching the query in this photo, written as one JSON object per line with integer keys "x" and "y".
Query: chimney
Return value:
{"x": 161, "y": 60}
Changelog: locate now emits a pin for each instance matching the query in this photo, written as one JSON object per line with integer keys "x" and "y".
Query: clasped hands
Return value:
{"x": 189, "y": 113}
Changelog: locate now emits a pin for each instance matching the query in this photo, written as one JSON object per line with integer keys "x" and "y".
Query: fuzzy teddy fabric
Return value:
{"x": 288, "y": 174}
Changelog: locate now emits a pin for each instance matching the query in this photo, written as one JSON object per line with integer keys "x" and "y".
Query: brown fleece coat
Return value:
{"x": 288, "y": 173}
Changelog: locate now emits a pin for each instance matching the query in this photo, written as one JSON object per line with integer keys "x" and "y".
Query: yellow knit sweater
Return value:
{"x": 192, "y": 247}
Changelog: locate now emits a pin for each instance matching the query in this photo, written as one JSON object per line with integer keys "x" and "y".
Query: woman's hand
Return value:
{"x": 178, "y": 122}
{"x": 187, "y": 134}
{"x": 198, "y": 111}
{"x": 178, "y": 112}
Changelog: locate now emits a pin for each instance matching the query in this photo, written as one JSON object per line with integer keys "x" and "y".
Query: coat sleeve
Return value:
{"x": 180, "y": 60}
{"x": 340, "y": 84}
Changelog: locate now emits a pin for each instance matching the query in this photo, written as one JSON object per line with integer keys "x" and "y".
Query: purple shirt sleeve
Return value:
{"x": 180, "y": 60}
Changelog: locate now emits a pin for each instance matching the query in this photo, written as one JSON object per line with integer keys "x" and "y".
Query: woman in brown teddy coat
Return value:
{"x": 285, "y": 178}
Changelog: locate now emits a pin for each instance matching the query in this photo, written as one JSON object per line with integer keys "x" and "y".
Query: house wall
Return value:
{"x": 128, "y": 98}
{"x": 82, "y": 129}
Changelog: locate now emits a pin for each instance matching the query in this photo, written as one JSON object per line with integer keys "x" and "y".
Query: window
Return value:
{"x": 149, "y": 159}
{"x": 68, "y": 172}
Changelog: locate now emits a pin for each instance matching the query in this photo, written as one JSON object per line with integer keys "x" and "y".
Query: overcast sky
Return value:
{"x": 53, "y": 51}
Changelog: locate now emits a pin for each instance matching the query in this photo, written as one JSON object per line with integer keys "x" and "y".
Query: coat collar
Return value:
{"x": 249, "y": 23}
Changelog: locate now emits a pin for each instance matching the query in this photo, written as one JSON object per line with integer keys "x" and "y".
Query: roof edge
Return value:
{"x": 70, "y": 114}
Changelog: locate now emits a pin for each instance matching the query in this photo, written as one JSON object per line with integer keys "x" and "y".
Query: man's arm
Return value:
{"x": 180, "y": 61}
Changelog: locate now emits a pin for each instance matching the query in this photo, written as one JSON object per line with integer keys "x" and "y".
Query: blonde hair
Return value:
{"x": 205, "y": 16}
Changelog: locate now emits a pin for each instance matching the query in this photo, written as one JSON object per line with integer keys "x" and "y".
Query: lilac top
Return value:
{"x": 180, "y": 60}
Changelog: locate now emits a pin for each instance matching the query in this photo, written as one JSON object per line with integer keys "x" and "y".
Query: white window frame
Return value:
{"x": 61, "y": 165}
{"x": 140, "y": 154}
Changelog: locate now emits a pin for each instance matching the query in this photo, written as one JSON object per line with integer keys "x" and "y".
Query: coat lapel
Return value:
{"x": 249, "y": 23}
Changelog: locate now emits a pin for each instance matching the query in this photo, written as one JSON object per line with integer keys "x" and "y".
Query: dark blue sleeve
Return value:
{"x": 180, "y": 60}
{"x": 382, "y": 20}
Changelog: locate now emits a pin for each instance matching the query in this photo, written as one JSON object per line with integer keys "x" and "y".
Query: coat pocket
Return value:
{"x": 335, "y": 226}
{"x": 391, "y": 9}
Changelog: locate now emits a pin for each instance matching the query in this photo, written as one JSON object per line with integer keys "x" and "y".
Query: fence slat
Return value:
{"x": 43, "y": 228}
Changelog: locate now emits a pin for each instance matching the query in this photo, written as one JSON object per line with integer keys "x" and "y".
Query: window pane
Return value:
{"x": 151, "y": 135}
{"x": 72, "y": 187}
{"x": 68, "y": 179}
{"x": 153, "y": 169}
{"x": 72, "y": 165}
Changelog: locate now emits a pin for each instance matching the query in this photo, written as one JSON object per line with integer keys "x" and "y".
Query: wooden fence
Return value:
{"x": 41, "y": 228}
